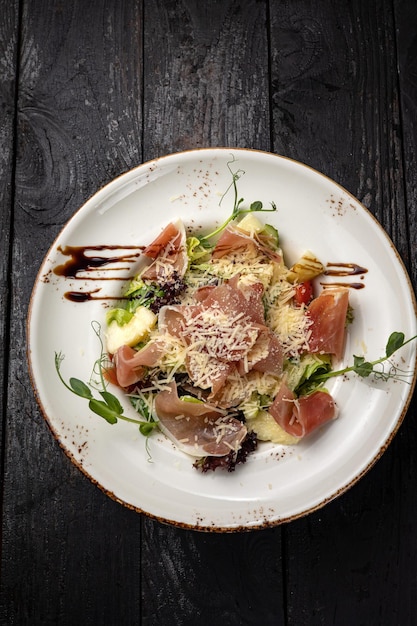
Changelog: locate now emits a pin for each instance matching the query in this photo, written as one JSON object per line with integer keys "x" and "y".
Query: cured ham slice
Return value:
{"x": 170, "y": 234}
{"x": 167, "y": 254}
{"x": 224, "y": 391}
{"x": 210, "y": 330}
{"x": 197, "y": 428}
{"x": 171, "y": 319}
{"x": 130, "y": 365}
{"x": 226, "y": 327}
{"x": 327, "y": 313}
{"x": 266, "y": 355}
{"x": 236, "y": 299}
{"x": 233, "y": 239}
{"x": 301, "y": 416}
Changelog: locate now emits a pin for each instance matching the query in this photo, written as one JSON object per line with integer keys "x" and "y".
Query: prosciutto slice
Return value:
{"x": 234, "y": 239}
{"x": 167, "y": 254}
{"x": 301, "y": 416}
{"x": 226, "y": 327}
{"x": 327, "y": 313}
{"x": 130, "y": 365}
{"x": 265, "y": 356}
{"x": 236, "y": 299}
{"x": 197, "y": 428}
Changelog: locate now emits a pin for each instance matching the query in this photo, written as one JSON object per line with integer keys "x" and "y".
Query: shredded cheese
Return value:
{"x": 251, "y": 265}
{"x": 220, "y": 335}
{"x": 289, "y": 322}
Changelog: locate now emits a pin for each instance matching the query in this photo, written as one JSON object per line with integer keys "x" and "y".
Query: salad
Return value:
{"x": 220, "y": 345}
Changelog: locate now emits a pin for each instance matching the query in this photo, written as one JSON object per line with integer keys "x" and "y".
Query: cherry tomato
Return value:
{"x": 303, "y": 293}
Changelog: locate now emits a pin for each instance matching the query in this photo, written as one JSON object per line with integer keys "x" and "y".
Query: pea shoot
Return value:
{"x": 256, "y": 206}
{"x": 364, "y": 368}
{"x": 109, "y": 406}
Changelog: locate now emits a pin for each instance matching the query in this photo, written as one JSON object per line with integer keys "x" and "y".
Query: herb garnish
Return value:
{"x": 365, "y": 368}
{"x": 109, "y": 407}
{"x": 237, "y": 211}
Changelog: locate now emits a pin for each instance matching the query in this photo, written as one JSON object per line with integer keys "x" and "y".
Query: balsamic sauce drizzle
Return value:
{"x": 345, "y": 269}
{"x": 86, "y": 296}
{"x": 86, "y": 259}
{"x": 79, "y": 261}
{"x": 342, "y": 284}
{"x": 80, "y": 264}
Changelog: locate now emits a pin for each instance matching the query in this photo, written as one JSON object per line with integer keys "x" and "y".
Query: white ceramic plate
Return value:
{"x": 276, "y": 484}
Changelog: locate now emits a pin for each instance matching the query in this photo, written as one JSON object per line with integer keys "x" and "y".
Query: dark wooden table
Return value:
{"x": 89, "y": 90}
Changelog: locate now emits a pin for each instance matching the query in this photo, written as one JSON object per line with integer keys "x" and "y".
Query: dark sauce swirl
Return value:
{"x": 84, "y": 261}
{"x": 344, "y": 269}
{"x": 80, "y": 262}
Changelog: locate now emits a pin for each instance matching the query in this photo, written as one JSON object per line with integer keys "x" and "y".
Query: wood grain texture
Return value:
{"x": 9, "y": 34}
{"x": 336, "y": 107}
{"x": 211, "y": 579}
{"x": 335, "y": 99}
{"x": 79, "y": 125}
{"x": 406, "y": 20}
{"x": 206, "y": 75}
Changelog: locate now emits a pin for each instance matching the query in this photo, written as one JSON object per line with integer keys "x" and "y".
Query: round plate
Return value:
{"x": 277, "y": 484}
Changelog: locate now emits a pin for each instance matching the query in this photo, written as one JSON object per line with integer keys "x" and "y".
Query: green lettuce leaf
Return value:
{"x": 121, "y": 316}
{"x": 299, "y": 373}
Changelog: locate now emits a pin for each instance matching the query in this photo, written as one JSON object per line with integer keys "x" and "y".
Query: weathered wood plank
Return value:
{"x": 406, "y": 21}
{"x": 206, "y": 76}
{"x": 206, "y": 84}
{"x": 336, "y": 107}
{"x": 335, "y": 104}
{"x": 224, "y": 579}
{"x": 406, "y": 458}
{"x": 66, "y": 546}
{"x": 9, "y": 33}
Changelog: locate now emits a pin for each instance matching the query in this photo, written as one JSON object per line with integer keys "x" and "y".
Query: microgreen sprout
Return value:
{"x": 364, "y": 368}
{"x": 109, "y": 406}
{"x": 256, "y": 206}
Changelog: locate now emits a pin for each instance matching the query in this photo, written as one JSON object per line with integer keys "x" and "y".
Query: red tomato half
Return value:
{"x": 303, "y": 293}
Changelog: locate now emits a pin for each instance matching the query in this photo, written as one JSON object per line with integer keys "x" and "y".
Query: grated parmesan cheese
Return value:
{"x": 289, "y": 322}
